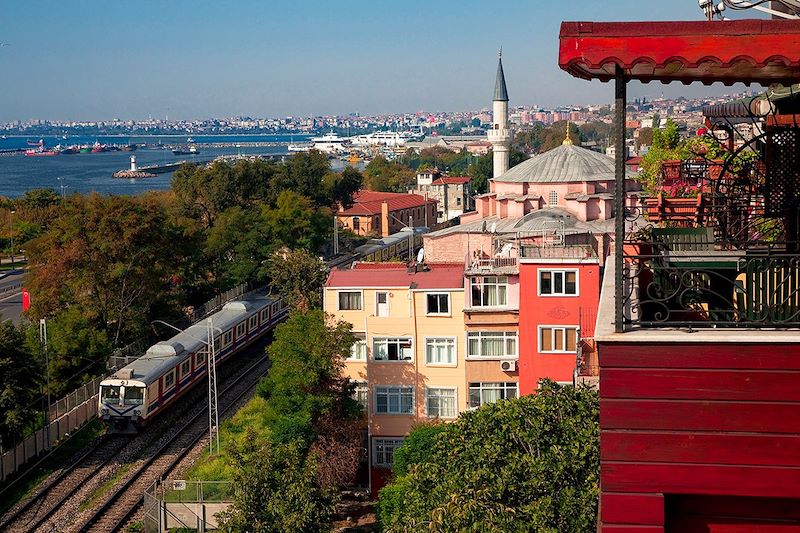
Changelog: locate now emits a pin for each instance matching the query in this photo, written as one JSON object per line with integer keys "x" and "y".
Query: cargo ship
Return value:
{"x": 191, "y": 151}
{"x": 40, "y": 150}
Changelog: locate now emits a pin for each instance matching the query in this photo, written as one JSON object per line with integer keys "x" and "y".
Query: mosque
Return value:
{"x": 560, "y": 198}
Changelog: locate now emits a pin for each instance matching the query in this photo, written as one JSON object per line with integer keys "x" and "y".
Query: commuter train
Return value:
{"x": 383, "y": 249}
{"x": 138, "y": 392}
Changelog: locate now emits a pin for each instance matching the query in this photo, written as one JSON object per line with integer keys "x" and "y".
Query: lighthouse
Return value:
{"x": 500, "y": 135}
{"x": 133, "y": 163}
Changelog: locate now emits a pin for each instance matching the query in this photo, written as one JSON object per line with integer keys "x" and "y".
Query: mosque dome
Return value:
{"x": 565, "y": 164}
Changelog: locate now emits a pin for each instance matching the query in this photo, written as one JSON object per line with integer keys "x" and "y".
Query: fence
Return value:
{"x": 185, "y": 505}
{"x": 78, "y": 407}
{"x": 66, "y": 415}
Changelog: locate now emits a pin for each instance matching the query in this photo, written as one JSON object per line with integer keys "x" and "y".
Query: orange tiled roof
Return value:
{"x": 369, "y": 202}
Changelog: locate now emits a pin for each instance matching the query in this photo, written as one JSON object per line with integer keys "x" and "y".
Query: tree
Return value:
{"x": 298, "y": 276}
{"x": 529, "y": 464}
{"x": 276, "y": 490}
{"x": 304, "y": 173}
{"x": 386, "y": 176}
{"x": 305, "y": 380}
{"x": 20, "y": 380}
{"x": 111, "y": 256}
{"x": 342, "y": 186}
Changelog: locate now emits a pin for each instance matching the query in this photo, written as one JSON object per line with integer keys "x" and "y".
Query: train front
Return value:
{"x": 122, "y": 405}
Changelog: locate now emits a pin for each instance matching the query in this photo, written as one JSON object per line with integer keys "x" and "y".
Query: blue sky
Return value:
{"x": 101, "y": 59}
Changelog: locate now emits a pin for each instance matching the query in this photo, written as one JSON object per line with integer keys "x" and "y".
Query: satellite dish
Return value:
{"x": 420, "y": 255}
{"x": 494, "y": 227}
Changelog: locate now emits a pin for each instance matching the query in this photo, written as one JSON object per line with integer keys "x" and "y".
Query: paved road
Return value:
{"x": 11, "y": 296}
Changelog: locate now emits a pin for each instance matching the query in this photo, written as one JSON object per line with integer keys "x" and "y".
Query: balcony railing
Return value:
{"x": 493, "y": 265}
{"x": 698, "y": 285}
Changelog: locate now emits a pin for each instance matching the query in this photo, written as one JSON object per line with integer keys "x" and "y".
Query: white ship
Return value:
{"x": 300, "y": 147}
{"x": 331, "y": 143}
{"x": 390, "y": 139}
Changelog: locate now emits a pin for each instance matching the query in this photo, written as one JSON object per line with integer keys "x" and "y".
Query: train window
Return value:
{"x": 241, "y": 329}
{"x": 186, "y": 367}
{"x": 275, "y": 308}
{"x": 227, "y": 338}
{"x": 134, "y": 395}
{"x": 252, "y": 323}
{"x": 264, "y": 315}
{"x": 200, "y": 358}
{"x": 109, "y": 394}
{"x": 169, "y": 380}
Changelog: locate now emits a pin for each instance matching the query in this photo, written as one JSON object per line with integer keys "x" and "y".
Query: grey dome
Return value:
{"x": 567, "y": 163}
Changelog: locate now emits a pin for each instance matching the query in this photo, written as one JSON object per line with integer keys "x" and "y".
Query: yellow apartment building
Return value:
{"x": 410, "y": 362}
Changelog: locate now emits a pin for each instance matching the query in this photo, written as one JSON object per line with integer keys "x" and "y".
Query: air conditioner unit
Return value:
{"x": 508, "y": 366}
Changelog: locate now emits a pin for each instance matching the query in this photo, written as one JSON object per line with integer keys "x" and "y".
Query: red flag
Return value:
{"x": 26, "y": 300}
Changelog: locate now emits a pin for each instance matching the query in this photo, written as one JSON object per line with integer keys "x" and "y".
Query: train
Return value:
{"x": 384, "y": 249}
{"x": 140, "y": 391}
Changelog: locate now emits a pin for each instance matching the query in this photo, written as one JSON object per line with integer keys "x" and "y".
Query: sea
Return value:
{"x": 86, "y": 173}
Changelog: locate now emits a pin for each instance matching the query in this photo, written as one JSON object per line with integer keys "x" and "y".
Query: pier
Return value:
{"x": 150, "y": 171}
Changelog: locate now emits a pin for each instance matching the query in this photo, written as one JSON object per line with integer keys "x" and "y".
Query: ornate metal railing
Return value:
{"x": 701, "y": 286}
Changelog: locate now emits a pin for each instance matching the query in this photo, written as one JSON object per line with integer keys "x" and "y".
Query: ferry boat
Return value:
{"x": 190, "y": 151}
{"x": 384, "y": 138}
{"x": 331, "y": 144}
{"x": 300, "y": 147}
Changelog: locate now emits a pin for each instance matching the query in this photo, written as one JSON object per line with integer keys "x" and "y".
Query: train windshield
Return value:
{"x": 134, "y": 396}
{"x": 109, "y": 394}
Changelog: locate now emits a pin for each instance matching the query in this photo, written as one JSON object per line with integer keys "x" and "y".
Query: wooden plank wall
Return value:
{"x": 718, "y": 420}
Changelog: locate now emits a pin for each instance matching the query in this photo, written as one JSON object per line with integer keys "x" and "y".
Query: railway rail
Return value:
{"x": 122, "y": 503}
{"x": 43, "y": 507}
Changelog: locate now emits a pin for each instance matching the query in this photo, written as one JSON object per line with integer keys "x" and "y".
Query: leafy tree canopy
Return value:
{"x": 529, "y": 464}
{"x": 298, "y": 276}
{"x": 21, "y": 376}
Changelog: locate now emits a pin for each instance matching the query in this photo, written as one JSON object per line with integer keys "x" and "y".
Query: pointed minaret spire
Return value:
{"x": 500, "y": 92}
{"x": 567, "y": 139}
{"x": 500, "y": 134}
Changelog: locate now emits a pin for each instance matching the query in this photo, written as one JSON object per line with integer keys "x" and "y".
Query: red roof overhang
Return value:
{"x": 746, "y": 51}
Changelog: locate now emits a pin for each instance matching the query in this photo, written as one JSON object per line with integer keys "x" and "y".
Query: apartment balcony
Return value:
{"x": 492, "y": 266}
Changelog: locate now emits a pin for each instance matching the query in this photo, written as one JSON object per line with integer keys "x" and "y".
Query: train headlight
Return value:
{"x": 137, "y": 412}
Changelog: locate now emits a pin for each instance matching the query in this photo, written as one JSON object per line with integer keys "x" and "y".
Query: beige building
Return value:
{"x": 452, "y": 193}
{"x": 415, "y": 361}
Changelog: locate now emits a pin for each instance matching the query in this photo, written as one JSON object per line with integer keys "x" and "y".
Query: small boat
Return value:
{"x": 189, "y": 140}
{"x": 85, "y": 149}
{"x": 40, "y": 142}
{"x": 97, "y": 148}
{"x": 40, "y": 152}
{"x": 69, "y": 150}
{"x": 192, "y": 150}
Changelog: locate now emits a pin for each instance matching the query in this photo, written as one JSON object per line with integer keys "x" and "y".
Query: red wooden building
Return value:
{"x": 698, "y": 329}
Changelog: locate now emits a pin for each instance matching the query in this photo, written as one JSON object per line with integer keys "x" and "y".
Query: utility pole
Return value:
{"x": 213, "y": 413}
{"x": 335, "y": 236}
{"x": 11, "y": 234}
{"x": 411, "y": 240}
{"x": 43, "y": 346}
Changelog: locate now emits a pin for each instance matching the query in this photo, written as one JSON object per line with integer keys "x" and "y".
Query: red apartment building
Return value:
{"x": 698, "y": 328}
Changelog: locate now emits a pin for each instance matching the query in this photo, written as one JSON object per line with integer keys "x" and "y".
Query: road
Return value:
{"x": 11, "y": 296}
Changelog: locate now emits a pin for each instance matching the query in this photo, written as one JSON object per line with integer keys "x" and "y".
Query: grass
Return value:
{"x": 98, "y": 493}
{"x": 254, "y": 416}
{"x": 22, "y": 484}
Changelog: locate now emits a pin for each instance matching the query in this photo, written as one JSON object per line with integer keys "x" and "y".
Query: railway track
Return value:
{"x": 58, "y": 501}
{"x": 31, "y": 514}
{"x": 117, "y": 508}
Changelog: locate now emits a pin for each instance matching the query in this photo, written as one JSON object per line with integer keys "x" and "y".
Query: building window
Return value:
{"x": 458, "y": 200}
{"x": 489, "y": 291}
{"x": 492, "y": 344}
{"x": 553, "y": 198}
{"x": 558, "y": 282}
{"x": 441, "y": 402}
{"x": 384, "y": 449}
{"x": 394, "y": 400}
{"x": 558, "y": 339}
{"x": 350, "y": 301}
{"x": 438, "y": 303}
{"x": 356, "y": 224}
{"x": 358, "y": 351}
{"x": 440, "y": 351}
{"x": 392, "y": 348}
{"x": 361, "y": 393}
{"x": 483, "y": 393}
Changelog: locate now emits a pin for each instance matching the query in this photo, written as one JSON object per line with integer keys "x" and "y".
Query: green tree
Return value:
{"x": 20, "y": 381}
{"x": 38, "y": 199}
{"x": 295, "y": 222}
{"x": 386, "y": 176}
{"x": 305, "y": 380}
{"x": 276, "y": 490}
{"x": 342, "y": 186}
{"x": 298, "y": 276}
{"x": 304, "y": 173}
{"x": 529, "y": 464}
{"x": 111, "y": 256}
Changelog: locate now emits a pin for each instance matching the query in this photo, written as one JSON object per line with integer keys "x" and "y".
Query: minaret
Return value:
{"x": 500, "y": 135}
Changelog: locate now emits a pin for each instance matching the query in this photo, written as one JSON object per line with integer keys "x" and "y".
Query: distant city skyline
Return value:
{"x": 89, "y": 60}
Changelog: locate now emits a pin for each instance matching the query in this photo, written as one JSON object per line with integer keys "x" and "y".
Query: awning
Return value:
{"x": 746, "y": 51}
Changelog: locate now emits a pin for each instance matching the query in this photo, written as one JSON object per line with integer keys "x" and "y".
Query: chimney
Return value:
{"x": 385, "y": 219}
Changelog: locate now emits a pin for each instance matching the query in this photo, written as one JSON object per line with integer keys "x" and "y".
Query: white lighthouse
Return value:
{"x": 133, "y": 163}
{"x": 500, "y": 135}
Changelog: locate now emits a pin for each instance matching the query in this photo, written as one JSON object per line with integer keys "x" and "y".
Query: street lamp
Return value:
{"x": 11, "y": 233}
{"x": 213, "y": 412}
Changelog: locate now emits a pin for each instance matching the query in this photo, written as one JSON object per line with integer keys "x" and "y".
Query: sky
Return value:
{"x": 103, "y": 59}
